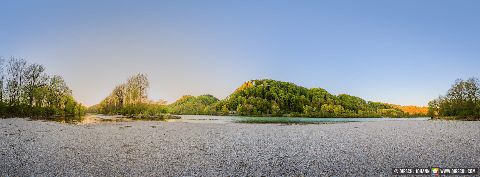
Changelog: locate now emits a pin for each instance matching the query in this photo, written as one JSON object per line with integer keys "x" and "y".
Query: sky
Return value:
{"x": 402, "y": 52}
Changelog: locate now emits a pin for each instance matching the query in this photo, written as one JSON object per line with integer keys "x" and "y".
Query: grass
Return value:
{"x": 279, "y": 120}
{"x": 94, "y": 119}
{"x": 70, "y": 120}
{"x": 461, "y": 118}
{"x": 298, "y": 120}
{"x": 154, "y": 117}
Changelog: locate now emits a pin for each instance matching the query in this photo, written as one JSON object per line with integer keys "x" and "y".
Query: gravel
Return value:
{"x": 149, "y": 148}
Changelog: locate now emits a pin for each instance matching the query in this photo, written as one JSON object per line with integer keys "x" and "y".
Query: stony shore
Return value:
{"x": 151, "y": 148}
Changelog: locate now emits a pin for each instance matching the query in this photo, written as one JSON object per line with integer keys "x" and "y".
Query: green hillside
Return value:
{"x": 278, "y": 98}
{"x": 253, "y": 98}
{"x": 187, "y": 104}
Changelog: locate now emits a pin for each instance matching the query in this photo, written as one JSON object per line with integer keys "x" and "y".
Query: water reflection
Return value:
{"x": 87, "y": 119}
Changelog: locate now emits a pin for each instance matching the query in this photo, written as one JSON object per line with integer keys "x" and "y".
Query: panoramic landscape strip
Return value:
{"x": 28, "y": 91}
{"x": 239, "y": 88}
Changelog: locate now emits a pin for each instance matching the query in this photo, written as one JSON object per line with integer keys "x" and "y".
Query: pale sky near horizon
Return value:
{"x": 403, "y": 52}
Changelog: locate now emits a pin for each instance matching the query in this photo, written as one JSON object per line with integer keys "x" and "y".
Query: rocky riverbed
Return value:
{"x": 151, "y": 148}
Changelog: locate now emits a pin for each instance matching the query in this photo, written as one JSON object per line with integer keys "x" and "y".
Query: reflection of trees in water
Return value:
{"x": 64, "y": 119}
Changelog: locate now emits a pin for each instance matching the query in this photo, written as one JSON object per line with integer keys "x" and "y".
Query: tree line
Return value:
{"x": 462, "y": 101}
{"x": 268, "y": 97}
{"x": 253, "y": 98}
{"x": 131, "y": 99}
{"x": 26, "y": 90}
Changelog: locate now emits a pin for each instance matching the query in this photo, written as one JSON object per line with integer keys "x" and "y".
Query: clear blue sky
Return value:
{"x": 402, "y": 52}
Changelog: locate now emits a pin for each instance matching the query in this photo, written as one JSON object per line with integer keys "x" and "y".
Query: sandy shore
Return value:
{"x": 203, "y": 149}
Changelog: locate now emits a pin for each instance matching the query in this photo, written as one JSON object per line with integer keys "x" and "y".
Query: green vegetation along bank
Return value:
{"x": 253, "y": 98}
{"x": 27, "y": 91}
{"x": 130, "y": 99}
{"x": 276, "y": 98}
{"x": 462, "y": 101}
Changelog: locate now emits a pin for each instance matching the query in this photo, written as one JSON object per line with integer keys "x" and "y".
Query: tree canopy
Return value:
{"x": 253, "y": 98}
{"x": 461, "y": 101}
{"x": 26, "y": 90}
{"x": 278, "y": 98}
{"x": 130, "y": 98}
{"x": 187, "y": 104}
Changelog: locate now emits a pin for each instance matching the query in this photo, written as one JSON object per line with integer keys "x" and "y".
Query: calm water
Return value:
{"x": 88, "y": 119}
{"x": 93, "y": 118}
{"x": 239, "y": 119}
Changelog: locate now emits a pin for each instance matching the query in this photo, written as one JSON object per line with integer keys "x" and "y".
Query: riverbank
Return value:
{"x": 152, "y": 148}
{"x": 458, "y": 118}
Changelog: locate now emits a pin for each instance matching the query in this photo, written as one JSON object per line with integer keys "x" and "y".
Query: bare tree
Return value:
{"x": 137, "y": 87}
{"x": 133, "y": 92}
{"x": 2, "y": 78}
{"x": 15, "y": 79}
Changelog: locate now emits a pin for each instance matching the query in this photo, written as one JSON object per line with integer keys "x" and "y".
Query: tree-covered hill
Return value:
{"x": 253, "y": 98}
{"x": 278, "y": 98}
{"x": 187, "y": 104}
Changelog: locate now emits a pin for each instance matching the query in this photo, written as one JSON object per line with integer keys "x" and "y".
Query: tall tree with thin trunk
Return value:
{"x": 2, "y": 79}
{"x": 15, "y": 79}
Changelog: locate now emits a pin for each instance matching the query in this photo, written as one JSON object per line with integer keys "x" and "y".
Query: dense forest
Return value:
{"x": 276, "y": 98}
{"x": 191, "y": 105}
{"x": 27, "y": 91}
{"x": 462, "y": 101}
{"x": 253, "y": 98}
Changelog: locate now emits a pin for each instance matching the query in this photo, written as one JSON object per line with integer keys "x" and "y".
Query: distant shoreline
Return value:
{"x": 457, "y": 118}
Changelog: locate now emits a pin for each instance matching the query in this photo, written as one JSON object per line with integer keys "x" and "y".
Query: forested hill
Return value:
{"x": 253, "y": 98}
{"x": 187, "y": 104}
{"x": 278, "y": 98}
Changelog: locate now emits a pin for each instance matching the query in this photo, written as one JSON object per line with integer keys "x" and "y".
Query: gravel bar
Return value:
{"x": 150, "y": 148}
